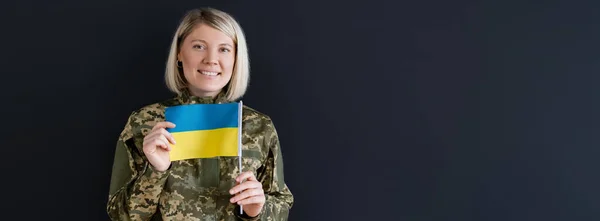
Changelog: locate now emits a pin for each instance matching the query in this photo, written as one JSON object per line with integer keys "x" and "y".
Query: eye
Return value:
{"x": 198, "y": 46}
{"x": 225, "y": 50}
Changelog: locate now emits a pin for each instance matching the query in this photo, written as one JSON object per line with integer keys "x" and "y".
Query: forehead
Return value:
{"x": 209, "y": 34}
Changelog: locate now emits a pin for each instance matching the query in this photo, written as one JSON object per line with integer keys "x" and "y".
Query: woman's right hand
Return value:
{"x": 157, "y": 144}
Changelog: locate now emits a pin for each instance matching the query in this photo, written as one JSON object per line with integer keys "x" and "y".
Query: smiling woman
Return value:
{"x": 208, "y": 44}
{"x": 207, "y": 64}
{"x": 206, "y": 57}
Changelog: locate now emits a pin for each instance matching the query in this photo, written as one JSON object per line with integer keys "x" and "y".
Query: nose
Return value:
{"x": 211, "y": 58}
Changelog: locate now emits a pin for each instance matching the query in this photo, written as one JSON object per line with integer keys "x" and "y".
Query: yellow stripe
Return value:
{"x": 205, "y": 144}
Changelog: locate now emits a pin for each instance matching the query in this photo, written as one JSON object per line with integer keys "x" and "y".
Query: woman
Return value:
{"x": 208, "y": 63}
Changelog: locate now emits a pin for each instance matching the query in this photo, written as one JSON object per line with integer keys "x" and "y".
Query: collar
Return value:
{"x": 187, "y": 98}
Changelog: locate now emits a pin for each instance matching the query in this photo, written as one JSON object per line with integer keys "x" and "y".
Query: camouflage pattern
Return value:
{"x": 195, "y": 189}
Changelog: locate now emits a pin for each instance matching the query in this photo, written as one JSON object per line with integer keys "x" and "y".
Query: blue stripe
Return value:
{"x": 193, "y": 117}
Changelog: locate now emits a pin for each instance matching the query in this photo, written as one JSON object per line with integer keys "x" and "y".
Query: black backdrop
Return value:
{"x": 387, "y": 110}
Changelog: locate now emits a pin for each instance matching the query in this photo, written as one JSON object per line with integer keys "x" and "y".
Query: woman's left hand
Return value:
{"x": 250, "y": 194}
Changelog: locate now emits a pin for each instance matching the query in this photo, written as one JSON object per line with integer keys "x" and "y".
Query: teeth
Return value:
{"x": 209, "y": 73}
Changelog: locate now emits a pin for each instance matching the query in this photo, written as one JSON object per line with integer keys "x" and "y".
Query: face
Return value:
{"x": 208, "y": 57}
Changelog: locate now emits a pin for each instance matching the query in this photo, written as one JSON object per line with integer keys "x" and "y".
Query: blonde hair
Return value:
{"x": 225, "y": 23}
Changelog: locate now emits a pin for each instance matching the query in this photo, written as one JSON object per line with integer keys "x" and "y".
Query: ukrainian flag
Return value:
{"x": 205, "y": 130}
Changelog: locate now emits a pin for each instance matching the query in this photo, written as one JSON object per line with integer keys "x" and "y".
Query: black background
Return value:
{"x": 386, "y": 110}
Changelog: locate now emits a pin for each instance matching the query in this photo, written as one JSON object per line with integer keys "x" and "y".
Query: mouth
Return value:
{"x": 209, "y": 73}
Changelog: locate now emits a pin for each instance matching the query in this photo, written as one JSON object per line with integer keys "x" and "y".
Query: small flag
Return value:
{"x": 205, "y": 130}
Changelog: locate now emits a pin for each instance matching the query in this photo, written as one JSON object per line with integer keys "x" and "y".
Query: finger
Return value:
{"x": 247, "y": 194}
{"x": 244, "y": 186}
{"x": 252, "y": 200}
{"x": 162, "y": 144}
{"x": 164, "y": 124}
{"x": 159, "y": 134}
{"x": 167, "y": 135}
{"x": 151, "y": 146}
{"x": 159, "y": 127}
{"x": 149, "y": 140}
{"x": 165, "y": 142}
{"x": 151, "y": 136}
{"x": 246, "y": 175}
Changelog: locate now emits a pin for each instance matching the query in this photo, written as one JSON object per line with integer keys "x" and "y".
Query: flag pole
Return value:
{"x": 240, "y": 105}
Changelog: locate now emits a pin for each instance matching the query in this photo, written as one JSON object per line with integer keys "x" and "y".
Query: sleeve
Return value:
{"x": 134, "y": 187}
{"x": 279, "y": 198}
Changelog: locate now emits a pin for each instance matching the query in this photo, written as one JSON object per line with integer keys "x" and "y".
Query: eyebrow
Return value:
{"x": 222, "y": 44}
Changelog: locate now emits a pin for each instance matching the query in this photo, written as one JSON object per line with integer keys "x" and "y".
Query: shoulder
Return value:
{"x": 141, "y": 120}
{"x": 258, "y": 128}
{"x": 257, "y": 124}
{"x": 251, "y": 113}
{"x": 253, "y": 116}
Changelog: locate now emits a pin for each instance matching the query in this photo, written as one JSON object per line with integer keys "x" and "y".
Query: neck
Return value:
{"x": 204, "y": 94}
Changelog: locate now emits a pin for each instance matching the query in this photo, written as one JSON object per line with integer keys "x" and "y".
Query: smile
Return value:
{"x": 209, "y": 73}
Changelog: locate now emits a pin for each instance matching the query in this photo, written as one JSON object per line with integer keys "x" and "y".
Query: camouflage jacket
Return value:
{"x": 195, "y": 189}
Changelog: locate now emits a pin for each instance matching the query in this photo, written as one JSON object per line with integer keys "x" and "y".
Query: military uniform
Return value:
{"x": 195, "y": 189}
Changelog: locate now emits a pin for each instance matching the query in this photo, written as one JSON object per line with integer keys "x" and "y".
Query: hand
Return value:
{"x": 157, "y": 146}
{"x": 250, "y": 194}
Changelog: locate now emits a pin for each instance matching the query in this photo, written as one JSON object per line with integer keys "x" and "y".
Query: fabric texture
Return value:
{"x": 195, "y": 189}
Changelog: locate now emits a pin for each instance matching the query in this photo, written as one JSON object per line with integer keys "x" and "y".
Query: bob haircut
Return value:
{"x": 225, "y": 23}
